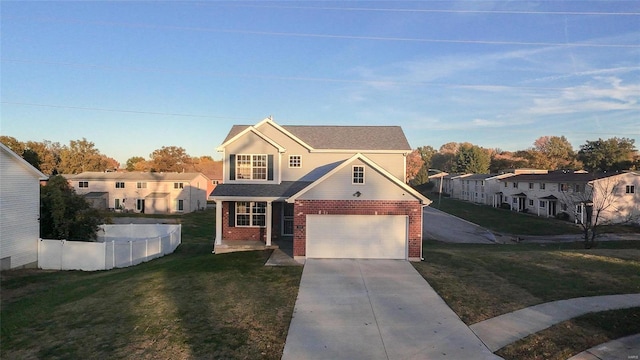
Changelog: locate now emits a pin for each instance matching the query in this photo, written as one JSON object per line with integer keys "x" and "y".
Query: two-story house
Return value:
{"x": 143, "y": 192}
{"x": 336, "y": 191}
{"x": 614, "y": 195}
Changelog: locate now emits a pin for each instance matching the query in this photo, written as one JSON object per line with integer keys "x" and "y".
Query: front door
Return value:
{"x": 140, "y": 205}
{"x": 287, "y": 219}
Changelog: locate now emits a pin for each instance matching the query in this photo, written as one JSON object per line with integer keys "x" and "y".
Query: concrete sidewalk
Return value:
{"x": 624, "y": 348}
{"x": 374, "y": 309}
{"x": 505, "y": 329}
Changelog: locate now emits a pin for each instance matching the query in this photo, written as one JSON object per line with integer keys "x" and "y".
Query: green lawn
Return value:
{"x": 504, "y": 221}
{"x": 483, "y": 281}
{"x": 191, "y": 304}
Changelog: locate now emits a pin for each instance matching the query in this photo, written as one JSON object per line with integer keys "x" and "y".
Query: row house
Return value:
{"x": 143, "y": 192}
{"x": 572, "y": 193}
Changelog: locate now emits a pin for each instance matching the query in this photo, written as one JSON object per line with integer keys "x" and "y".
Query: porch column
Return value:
{"x": 218, "y": 222}
{"x": 269, "y": 224}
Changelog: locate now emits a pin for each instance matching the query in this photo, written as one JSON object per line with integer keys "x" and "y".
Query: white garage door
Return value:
{"x": 357, "y": 236}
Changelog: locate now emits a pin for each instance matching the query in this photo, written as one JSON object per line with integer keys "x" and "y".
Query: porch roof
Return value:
{"x": 550, "y": 197}
{"x": 283, "y": 190}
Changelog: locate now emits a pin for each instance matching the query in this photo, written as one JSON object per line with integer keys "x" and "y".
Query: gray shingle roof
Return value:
{"x": 560, "y": 176}
{"x": 344, "y": 137}
{"x": 282, "y": 190}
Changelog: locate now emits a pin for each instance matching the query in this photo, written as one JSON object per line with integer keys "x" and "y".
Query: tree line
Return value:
{"x": 547, "y": 152}
{"x": 81, "y": 155}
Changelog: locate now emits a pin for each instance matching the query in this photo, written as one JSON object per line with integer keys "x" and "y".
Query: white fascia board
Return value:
{"x": 255, "y": 131}
{"x": 284, "y": 131}
{"x": 352, "y": 151}
{"x": 24, "y": 162}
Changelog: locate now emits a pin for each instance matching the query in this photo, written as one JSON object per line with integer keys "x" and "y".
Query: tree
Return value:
{"x": 137, "y": 163}
{"x": 613, "y": 154}
{"x": 80, "y": 156}
{"x": 445, "y": 159}
{"x": 48, "y": 155}
{"x": 427, "y": 152}
{"x": 597, "y": 199}
{"x": 170, "y": 159}
{"x": 413, "y": 164}
{"x": 472, "y": 159}
{"x": 505, "y": 160}
{"x": 65, "y": 214}
{"x": 13, "y": 144}
{"x": 552, "y": 153}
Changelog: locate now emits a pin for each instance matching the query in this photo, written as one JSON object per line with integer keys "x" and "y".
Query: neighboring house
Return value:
{"x": 336, "y": 191}
{"x": 143, "y": 192}
{"x": 19, "y": 211}
{"x": 452, "y": 185}
{"x": 571, "y": 192}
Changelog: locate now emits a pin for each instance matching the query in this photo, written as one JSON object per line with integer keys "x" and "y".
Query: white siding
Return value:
{"x": 19, "y": 212}
{"x": 340, "y": 187}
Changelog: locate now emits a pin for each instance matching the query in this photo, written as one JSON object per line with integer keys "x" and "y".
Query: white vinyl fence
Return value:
{"x": 117, "y": 246}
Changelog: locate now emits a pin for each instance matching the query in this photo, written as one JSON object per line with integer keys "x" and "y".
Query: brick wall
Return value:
{"x": 239, "y": 233}
{"x": 412, "y": 209}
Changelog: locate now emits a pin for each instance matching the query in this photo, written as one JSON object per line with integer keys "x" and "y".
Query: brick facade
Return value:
{"x": 239, "y": 232}
{"x": 413, "y": 209}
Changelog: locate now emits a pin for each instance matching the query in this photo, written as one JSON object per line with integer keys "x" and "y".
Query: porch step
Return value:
{"x": 235, "y": 246}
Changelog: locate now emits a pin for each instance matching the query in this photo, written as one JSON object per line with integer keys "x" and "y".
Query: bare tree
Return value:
{"x": 595, "y": 205}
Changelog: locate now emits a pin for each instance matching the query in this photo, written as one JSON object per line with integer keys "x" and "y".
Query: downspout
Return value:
{"x": 422, "y": 231}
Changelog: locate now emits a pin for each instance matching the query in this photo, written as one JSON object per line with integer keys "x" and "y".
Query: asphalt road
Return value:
{"x": 438, "y": 225}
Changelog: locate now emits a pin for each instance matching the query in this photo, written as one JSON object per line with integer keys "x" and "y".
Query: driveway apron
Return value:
{"x": 374, "y": 309}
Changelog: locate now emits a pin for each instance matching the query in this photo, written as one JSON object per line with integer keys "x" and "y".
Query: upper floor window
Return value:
{"x": 530, "y": 186}
{"x": 295, "y": 161}
{"x": 251, "y": 167}
{"x": 506, "y": 184}
{"x": 141, "y": 185}
{"x": 119, "y": 184}
{"x": 83, "y": 184}
{"x": 630, "y": 189}
{"x": 576, "y": 188}
{"x": 542, "y": 186}
{"x": 178, "y": 185}
{"x": 358, "y": 174}
{"x": 515, "y": 185}
{"x": 215, "y": 182}
{"x": 563, "y": 187}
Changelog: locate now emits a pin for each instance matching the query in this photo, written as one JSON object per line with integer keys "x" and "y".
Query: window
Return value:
{"x": 295, "y": 161}
{"x": 251, "y": 167}
{"x": 180, "y": 205}
{"x": 515, "y": 185}
{"x": 530, "y": 186}
{"x": 530, "y": 202}
{"x": 576, "y": 188}
{"x": 630, "y": 189}
{"x": 141, "y": 185}
{"x": 543, "y": 204}
{"x": 563, "y": 187}
{"x": 178, "y": 185}
{"x": 215, "y": 182}
{"x": 119, "y": 184}
{"x": 358, "y": 174}
{"x": 83, "y": 184}
{"x": 514, "y": 200}
{"x": 116, "y": 204}
{"x": 542, "y": 186}
{"x": 251, "y": 213}
{"x": 506, "y": 184}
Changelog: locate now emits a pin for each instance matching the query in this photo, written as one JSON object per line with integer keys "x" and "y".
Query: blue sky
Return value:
{"x": 135, "y": 76}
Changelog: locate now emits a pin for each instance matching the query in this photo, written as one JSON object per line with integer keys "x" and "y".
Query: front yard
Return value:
{"x": 193, "y": 305}
{"x": 483, "y": 281}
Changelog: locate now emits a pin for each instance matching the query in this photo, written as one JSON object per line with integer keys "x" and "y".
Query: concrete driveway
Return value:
{"x": 374, "y": 309}
{"x": 438, "y": 225}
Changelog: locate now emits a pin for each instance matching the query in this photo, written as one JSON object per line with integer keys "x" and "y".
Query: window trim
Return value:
{"x": 360, "y": 180}
{"x": 119, "y": 184}
{"x": 83, "y": 184}
{"x": 179, "y": 204}
{"x": 141, "y": 185}
{"x": 178, "y": 185}
{"x": 251, "y": 206}
{"x": 293, "y": 164}
{"x": 252, "y": 167}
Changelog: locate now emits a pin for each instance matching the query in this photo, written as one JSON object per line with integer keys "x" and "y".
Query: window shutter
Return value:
{"x": 232, "y": 213}
{"x": 269, "y": 167}
{"x": 232, "y": 167}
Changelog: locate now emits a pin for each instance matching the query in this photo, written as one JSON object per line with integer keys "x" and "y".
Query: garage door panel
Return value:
{"x": 357, "y": 236}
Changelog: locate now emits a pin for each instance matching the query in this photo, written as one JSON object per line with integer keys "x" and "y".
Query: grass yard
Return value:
{"x": 188, "y": 305}
{"x": 504, "y": 221}
{"x": 483, "y": 281}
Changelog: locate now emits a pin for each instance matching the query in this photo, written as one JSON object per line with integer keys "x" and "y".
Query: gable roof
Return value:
{"x": 335, "y": 137}
{"x": 238, "y": 131}
{"x": 373, "y": 165}
{"x": 282, "y": 190}
{"x": 24, "y": 163}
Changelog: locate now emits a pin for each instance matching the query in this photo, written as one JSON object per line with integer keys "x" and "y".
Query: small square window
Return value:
{"x": 358, "y": 174}
{"x": 295, "y": 161}
{"x": 83, "y": 184}
{"x": 178, "y": 185}
{"x": 630, "y": 189}
{"x": 141, "y": 185}
{"x": 119, "y": 184}
{"x": 542, "y": 186}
